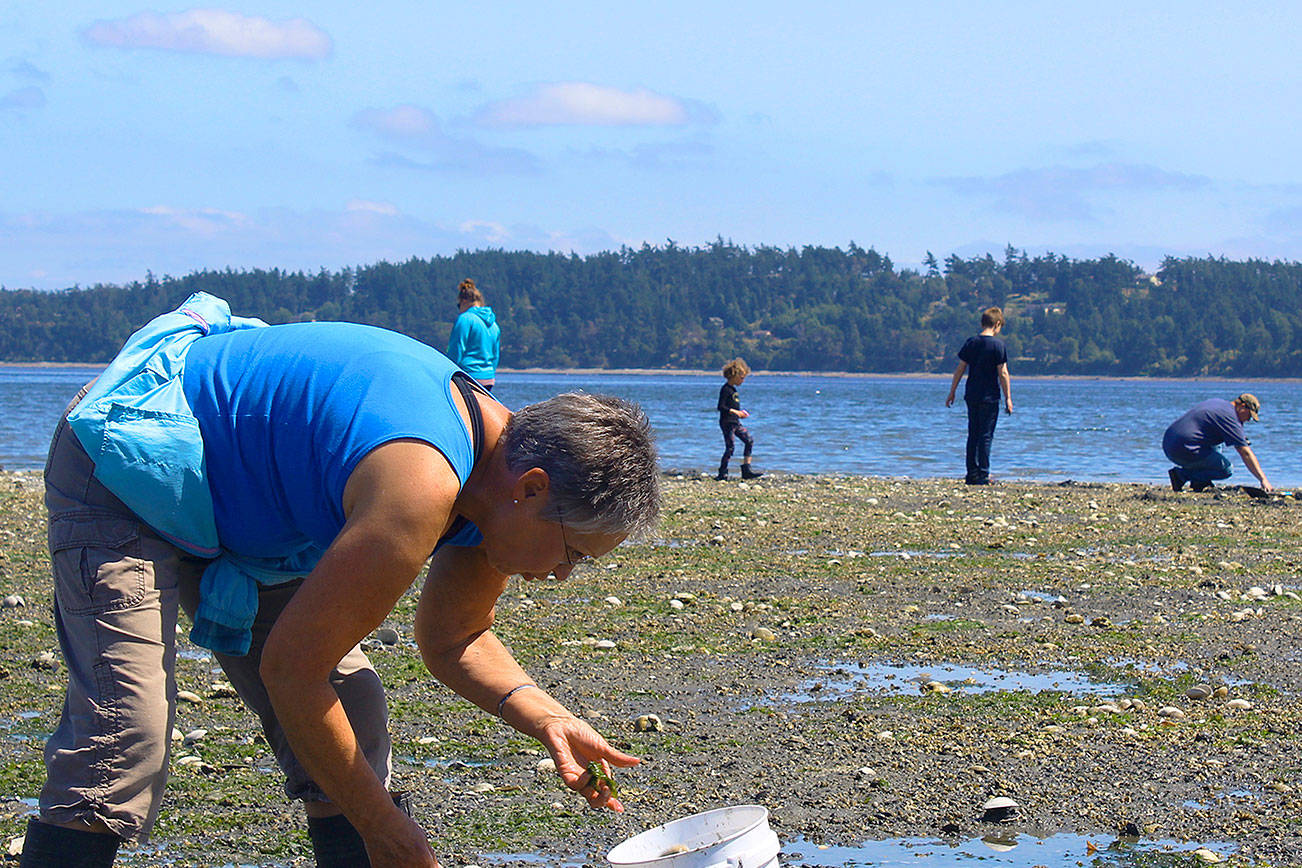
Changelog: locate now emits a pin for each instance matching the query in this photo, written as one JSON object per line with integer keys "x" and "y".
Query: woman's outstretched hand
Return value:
{"x": 574, "y": 745}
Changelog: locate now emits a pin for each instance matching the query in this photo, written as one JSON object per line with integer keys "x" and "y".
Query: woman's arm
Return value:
{"x": 397, "y": 500}
{"x": 456, "y": 610}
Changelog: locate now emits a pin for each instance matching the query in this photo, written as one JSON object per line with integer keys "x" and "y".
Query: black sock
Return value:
{"x": 47, "y": 846}
{"x": 336, "y": 843}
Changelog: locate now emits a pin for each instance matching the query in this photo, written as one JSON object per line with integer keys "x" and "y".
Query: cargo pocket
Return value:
{"x": 97, "y": 563}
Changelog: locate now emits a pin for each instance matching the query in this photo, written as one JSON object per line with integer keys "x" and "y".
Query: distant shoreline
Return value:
{"x": 854, "y": 375}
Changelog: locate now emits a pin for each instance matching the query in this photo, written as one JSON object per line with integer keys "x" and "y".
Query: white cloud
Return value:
{"x": 47, "y": 250}
{"x": 494, "y": 233}
{"x": 207, "y": 222}
{"x": 401, "y": 123}
{"x": 415, "y": 127}
{"x": 213, "y": 31}
{"x": 369, "y": 207}
{"x": 584, "y": 104}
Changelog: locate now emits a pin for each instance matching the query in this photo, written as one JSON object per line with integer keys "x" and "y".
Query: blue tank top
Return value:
{"x": 286, "y": 413}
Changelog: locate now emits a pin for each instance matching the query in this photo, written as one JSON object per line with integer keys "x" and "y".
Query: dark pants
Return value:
{"x": 982, "y": 416}
{"x": 740, "y": 432}
{"x": 1207, "y": 467}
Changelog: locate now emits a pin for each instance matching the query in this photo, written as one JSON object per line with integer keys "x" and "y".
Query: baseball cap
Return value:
{"x": 1250, "y": 401}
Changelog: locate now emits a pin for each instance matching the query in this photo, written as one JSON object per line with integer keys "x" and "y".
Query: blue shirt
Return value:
{"x": 290, "y": 414}
{"x": 475, "y": 342}
{"x": 983, "y": 354}
{"x": 287, "y": 412}
{"x": 1202, "y": 429}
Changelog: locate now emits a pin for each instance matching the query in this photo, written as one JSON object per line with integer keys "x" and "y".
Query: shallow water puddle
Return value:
{"x": 530, "y": 859}
{"x": 1009, "y": 848}
{"x": 1000, "y": 848}
{"x": 903, "y": 678}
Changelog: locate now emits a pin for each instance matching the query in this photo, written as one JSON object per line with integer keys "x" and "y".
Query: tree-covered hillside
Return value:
{"x": 813, "y": 308}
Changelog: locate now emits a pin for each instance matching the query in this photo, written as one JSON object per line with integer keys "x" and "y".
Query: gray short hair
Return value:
{"x": 600, "y": 457}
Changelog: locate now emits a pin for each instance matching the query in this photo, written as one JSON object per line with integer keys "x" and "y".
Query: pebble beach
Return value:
{"x": 868, "y": 658}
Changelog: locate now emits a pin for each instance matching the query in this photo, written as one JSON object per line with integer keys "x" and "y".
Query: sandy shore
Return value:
{"x": 784, "y": 632}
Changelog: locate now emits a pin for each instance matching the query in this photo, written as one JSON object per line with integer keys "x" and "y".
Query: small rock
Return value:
{"x": 45, "y": 660}
{"x": 222, "y": 689}
{"x": 1202, "y": 854}
{"x": 546, "y": 766}
{"x": 1075, "y": 618}
{"x": 737, "y": 607}
{"x": 188, "y": 696}
{"x": 1221, "y": 692}
{"x": 936, "y": 687}
{"x": 16, "y": 846}
{"x": 614, "y": 602}
{"x": 194, "y": 736}
{"x": 387, "y": 635}
{"x": 1171, "y": 712}
{"x": 676, "y": 604}
{"x": 648, "y": 723}
{"x": 13, "y": 601}
{"x": 764, "y": 634}
{"x": 189, "y": 760}
{"x": 604, "y": 645}
{"x": 1239, "y": 704}
{"x": 1199, "y": 691}
{"x": 483, "y": 787}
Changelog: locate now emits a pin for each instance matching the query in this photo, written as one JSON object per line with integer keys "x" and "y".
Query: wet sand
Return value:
{"x": 783, "y": 631}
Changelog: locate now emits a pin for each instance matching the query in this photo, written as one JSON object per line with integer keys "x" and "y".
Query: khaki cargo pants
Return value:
{"x": 118, "y": 590}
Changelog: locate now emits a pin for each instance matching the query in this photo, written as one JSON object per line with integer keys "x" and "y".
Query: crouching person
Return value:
{"x": 285, "y": 485}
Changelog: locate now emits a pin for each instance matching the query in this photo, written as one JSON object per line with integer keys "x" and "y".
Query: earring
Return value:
{"x": 516, "y": 502}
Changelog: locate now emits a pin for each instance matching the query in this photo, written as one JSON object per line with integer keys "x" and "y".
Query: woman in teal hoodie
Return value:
{"x": 475, "y": 341}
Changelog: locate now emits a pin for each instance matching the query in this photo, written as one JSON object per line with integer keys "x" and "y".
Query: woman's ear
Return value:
{"x": 532, "y": 483}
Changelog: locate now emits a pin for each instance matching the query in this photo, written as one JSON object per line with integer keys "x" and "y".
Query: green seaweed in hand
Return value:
{"x": 599, "y": 777}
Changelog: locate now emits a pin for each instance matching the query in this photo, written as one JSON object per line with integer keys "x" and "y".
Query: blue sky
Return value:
{"x": 303, "y": 135}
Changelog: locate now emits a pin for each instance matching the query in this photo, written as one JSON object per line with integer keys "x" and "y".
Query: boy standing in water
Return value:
{"x": 985, "y": 359}
{"x": 730, "y": 416}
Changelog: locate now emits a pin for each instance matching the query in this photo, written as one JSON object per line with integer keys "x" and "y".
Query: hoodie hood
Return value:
{"x": 485, "y": 313}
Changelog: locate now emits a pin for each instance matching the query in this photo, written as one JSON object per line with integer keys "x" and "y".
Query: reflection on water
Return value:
{"x": 848, "y": 678}
{"x": 1006, "y": 849}
{"x": 1000, "y": 847}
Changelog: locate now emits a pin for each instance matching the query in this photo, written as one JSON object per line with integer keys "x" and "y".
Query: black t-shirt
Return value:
{"x": 729, "y": 400}
{"x": 983, "y": 354}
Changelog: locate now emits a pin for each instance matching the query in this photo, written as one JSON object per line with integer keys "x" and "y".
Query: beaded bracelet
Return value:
{"x": 501, "y": 702}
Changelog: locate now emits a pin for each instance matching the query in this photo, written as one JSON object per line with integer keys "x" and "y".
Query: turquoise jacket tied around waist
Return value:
{"x": 137, "y": 426}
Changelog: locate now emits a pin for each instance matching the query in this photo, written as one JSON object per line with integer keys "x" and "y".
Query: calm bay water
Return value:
{"x": 1081, "y": 429}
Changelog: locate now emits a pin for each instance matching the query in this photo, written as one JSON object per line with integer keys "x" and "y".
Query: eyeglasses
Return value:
{"x": 569, "y": 556}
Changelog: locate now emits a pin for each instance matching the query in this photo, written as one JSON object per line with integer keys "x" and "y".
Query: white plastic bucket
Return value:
{"x": 735, "y": 837}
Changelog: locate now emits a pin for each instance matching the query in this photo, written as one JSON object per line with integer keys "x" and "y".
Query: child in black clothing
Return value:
{"x": 730, "y": 416}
